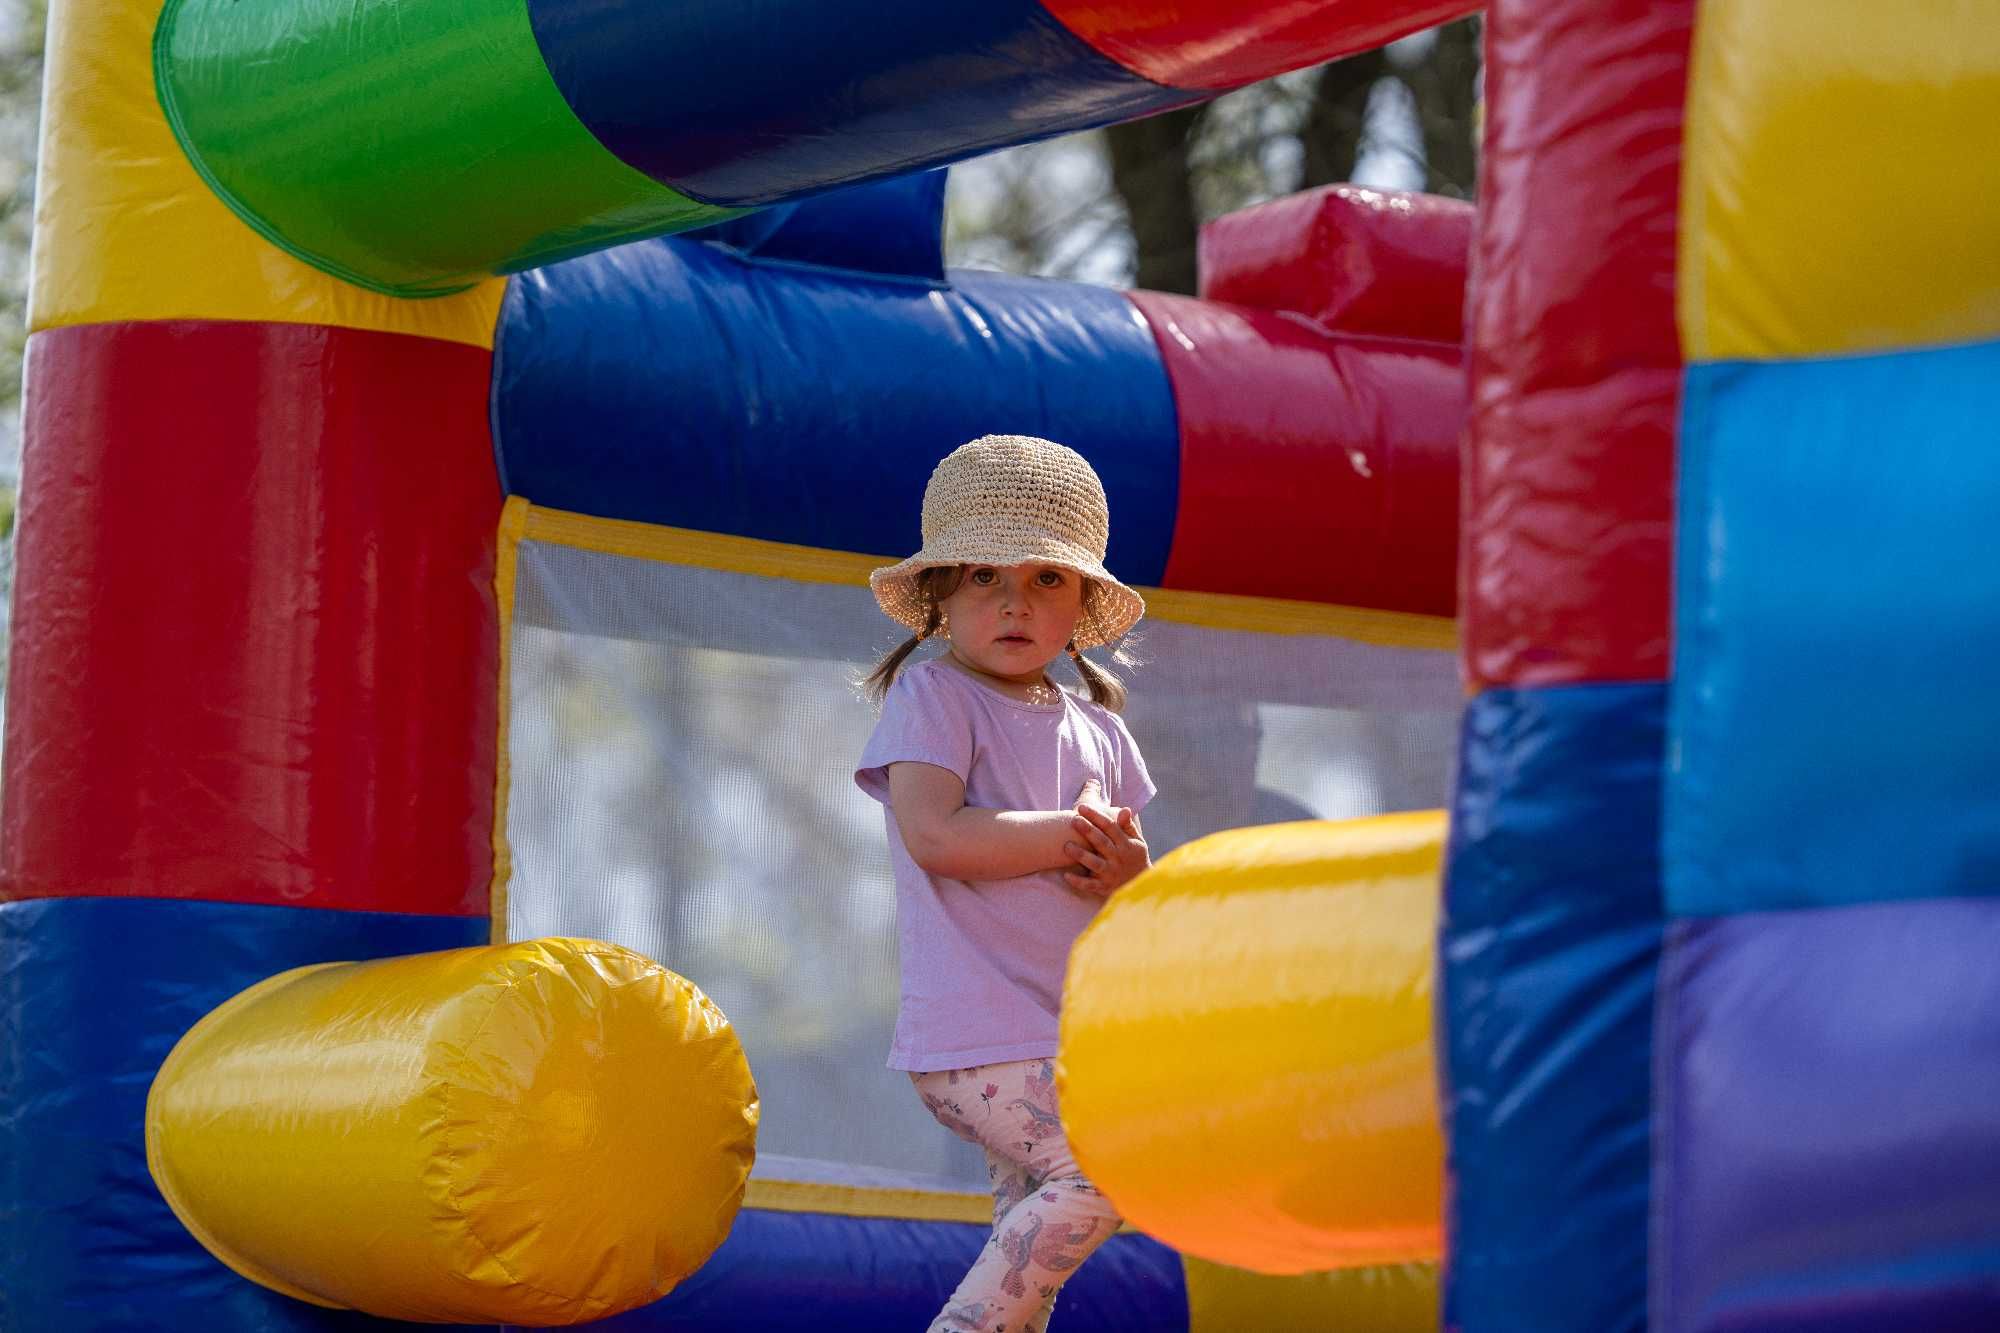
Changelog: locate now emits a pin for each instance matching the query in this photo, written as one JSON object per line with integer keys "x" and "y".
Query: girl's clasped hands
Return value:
{"x": 1108, "y": 848}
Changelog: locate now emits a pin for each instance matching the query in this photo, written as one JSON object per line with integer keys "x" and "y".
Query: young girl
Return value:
{"x": 1012, "y": 812}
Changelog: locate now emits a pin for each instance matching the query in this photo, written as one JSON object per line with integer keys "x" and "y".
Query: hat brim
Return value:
{"x": 1109, "y": 613}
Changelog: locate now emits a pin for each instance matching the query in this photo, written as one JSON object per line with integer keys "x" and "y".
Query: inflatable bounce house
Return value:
{"x": 432, "y": 888}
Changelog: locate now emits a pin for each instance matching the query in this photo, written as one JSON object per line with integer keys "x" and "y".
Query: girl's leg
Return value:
{"x": 1037, "y": 1242}
{"x": 1011, "y": 1183}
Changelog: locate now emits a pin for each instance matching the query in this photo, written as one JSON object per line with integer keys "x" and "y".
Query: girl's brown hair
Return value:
{"x": 941, "y": 581}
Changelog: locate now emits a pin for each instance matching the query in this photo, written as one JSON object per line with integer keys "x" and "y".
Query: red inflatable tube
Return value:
{"x": 1316, "y": 466}
{"x": 1575, "y": 361}
{"x": 256, "y": 650}
{"x": 1357, "y": 260}
{"x": 1217, "y": 44}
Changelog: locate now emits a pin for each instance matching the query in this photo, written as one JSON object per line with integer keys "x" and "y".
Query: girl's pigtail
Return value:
{"x": 877, "y": 682}
{"x": 1105, "y": 689}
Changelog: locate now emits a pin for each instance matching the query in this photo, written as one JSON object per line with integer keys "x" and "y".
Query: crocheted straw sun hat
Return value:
{"x": 1010, "y": 500}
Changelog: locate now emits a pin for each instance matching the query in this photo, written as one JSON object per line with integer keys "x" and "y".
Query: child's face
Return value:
{"x": 1013, "y": 620}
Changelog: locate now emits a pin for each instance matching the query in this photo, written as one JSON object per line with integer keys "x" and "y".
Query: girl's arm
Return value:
{"x": 949, "y": 838}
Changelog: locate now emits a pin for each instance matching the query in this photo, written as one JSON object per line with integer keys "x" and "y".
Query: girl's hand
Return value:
{"x": 1109, "y": 849}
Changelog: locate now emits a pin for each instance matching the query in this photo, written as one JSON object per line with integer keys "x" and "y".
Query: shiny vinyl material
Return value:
{"x": 254, "y": 627}
{"x": 757, "y": 101}
{"x": 1549, "y": 948}
{"x": 1217, "y": 44}
{"x": 1355, "y": 259}
{"x": 1382, "y": 1298}
{"x": 125, "y": 228}
{"x": 681, "y": 383}
{"x": 1826, "y": 1141}
{"x": 1315, "y": 466}
{"x": 1838, "y": 622}
{"x": 894, "y": 228}
{"x": 476, "y": 138}
{"x": 1574, "y": 358}
{"x": 539, "y": 1133}
{"x": 409, "y": 148}
{"x": 1833, "y": 203}
{"x": 1246, "y": 1066}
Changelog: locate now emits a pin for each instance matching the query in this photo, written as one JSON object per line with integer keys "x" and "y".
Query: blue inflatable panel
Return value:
{"x": 97, "y": 991}
{"x": 1829, "y": 1131}
{"x": 1837, "y": 636}
{"x": 785, "y": 1271}
{"x": 672, "y": 382}
{"x": 1550, "y": 943}
{"x": 748, "y": 102}
{"x": 894, "y": 228}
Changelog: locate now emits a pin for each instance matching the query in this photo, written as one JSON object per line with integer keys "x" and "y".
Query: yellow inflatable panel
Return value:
{"x": 125, "y": 229}
{"x": 537, "y": 1133}
{"x": 1838, "y": 192}
{"x": 1246, "y": 1066}
{"x": 1391, "y": 1298}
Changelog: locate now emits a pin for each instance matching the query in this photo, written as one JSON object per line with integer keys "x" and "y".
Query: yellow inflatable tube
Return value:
{"x": 536, "y": 1133}
{"x": 1246, "y": 1066}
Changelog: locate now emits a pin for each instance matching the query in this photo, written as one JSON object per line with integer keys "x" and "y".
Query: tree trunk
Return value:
{"x": 1332, "y": 133}
{"x": 1149, "y": 169}
{"x": 1443, "y": 86}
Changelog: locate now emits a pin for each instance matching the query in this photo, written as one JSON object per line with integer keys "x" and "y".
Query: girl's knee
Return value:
{"x": 1075, "y": 1196}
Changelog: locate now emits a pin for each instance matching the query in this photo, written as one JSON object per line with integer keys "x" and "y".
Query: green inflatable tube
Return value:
{"x": 383, "y": 141}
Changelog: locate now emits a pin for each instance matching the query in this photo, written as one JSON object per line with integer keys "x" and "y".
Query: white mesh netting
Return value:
{"x": 682, "y": 747}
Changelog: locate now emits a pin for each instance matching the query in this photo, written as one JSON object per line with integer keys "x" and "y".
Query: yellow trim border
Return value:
{"x": 811, "y": 564}
{"x": 908, "y": 1205}
{"x": 513, "y": 524}
{"x": 803, "y": 1196}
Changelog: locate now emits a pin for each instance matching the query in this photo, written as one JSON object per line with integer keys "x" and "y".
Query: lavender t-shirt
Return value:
{"x": 983, "y": 961}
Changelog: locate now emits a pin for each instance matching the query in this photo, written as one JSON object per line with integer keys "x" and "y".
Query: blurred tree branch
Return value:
{"x": 21, "y": 32}
{"x": 21, "y": 28}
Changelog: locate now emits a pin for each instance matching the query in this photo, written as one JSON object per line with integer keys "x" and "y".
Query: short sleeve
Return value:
{"x": 922, "y": 722}
{"x": 1133, "y": 785}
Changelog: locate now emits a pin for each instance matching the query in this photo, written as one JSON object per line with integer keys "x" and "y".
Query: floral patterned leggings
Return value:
{"x": 1046, "y": 1217}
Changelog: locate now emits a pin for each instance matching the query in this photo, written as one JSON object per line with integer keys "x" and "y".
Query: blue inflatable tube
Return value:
{"x": 782, "y": 1271}
{"x": 697, "y": 384}
{"x": 757, "y": 100}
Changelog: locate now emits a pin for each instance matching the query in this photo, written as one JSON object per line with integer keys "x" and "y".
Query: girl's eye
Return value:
{"x": 1051, "y": 579}
{"x": 982, "y": 576}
